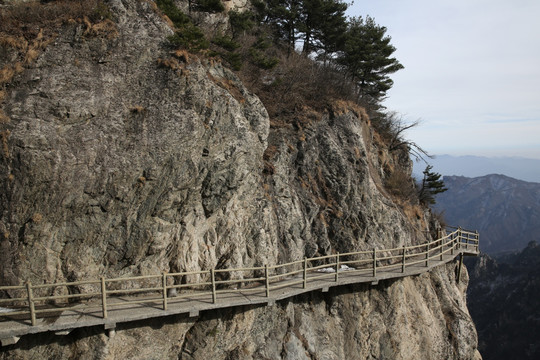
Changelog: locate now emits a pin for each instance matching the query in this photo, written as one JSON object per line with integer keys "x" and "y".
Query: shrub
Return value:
{"x": 241, "y": 22}
{"x": 261, "y": 60}
{"x": 226, "y": 43}
{"x": 169, "y": 8}
{"x": 234, "y": 60}
{"x": 29, "y": 18}
{"x": 189, "y": 37}
{"x": 399, "y": 184}
{"x": 212, "y": 6}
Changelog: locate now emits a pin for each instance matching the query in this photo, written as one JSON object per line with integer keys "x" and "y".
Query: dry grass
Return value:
{"x": 182, "y": 55}
{"x": 28, "y": 19}
{"x": 6, "y": 74}
{"x": 104, "y": 28}
{"x": 36, "y": 218}
{"x": 168, "y": 21}
{"x": 340, "y": 107}
{"x": 30, "y": 56}
{"x": 137, "y": 109}
{"x": 268, "y": 156}
{"x": 230, "y": 86}
{"x": 14, "y": 42}
{"x": 270, "y": 152}
{"x": 297, "y": 83}
{"x": 28, "y": 28}
{"x": 4, "y": 119}
{"x": 172, "y": 63}
{"x": 401, "y": 185}
{"x": 5, "y": 147}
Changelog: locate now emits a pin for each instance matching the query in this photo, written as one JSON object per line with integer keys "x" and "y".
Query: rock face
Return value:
{"x": 123, "y": 158}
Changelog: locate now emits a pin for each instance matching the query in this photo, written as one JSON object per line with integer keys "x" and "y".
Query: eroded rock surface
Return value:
{"x": 126, "y": 159}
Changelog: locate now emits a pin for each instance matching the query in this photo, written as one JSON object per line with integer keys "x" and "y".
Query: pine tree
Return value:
{"x": 431, "y": 186}
{"x": 282, "y": 16}
{"x": 367, "y": 59}
{"x": 323, "y": 25}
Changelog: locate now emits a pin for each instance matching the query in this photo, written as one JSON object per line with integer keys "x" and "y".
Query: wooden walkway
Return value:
{"x": 106, "y": 302}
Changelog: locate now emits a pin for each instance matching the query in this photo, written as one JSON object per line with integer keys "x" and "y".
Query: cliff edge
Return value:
{"x": 122, "y": 157}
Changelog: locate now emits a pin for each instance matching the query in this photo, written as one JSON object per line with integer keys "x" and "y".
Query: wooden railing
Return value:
{"x": 30, "y": 300}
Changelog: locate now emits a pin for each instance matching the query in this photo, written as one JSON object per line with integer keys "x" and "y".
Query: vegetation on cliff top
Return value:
{"x": 303, "y": 57}
{"x": 299, "y": 57}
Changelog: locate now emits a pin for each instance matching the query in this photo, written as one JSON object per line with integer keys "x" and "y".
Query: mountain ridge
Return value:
{"x": 506, "y": 211}
{"x": 526, "y": 169}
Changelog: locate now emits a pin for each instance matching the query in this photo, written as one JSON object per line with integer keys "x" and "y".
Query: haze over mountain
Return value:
{"x": 504, "y": 210}
{"x": 473, "y": 166}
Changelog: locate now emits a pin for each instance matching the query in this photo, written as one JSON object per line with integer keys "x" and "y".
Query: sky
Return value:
{"x": 472, "y": 73}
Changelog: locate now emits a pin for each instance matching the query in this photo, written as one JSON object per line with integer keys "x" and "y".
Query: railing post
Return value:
{"x": 305, "y": 272}
{"x": 477, "y": 240}
{"x": 441, "y": 245}
{"x": 164, "y": 281}
{"x": 213, "y": 280}
{"x": 104, "y": 297}
{"x": 267, "y": 280}
{"x": 374, "y": 262}
{"x": 337, "y": 266}
{"x": 31, "y": 303}
{"x": 403, "y": 261}
{"x": 453, "y": 244}
{"x": 427, "y": 254}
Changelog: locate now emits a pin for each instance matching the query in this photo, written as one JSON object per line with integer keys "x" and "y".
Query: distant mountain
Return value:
{"x": 504, "y": 301}
{"x": 474, "y": 166}
{"x": 504, "y": 210}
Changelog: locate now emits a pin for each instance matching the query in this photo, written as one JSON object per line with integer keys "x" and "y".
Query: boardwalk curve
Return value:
{"x": 62, "y": 307}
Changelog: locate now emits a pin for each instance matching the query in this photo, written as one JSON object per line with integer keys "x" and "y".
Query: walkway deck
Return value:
{"x": 102, "y": 309}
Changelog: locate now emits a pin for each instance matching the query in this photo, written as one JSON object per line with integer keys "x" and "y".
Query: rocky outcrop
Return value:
{"x": 125, "y": 157}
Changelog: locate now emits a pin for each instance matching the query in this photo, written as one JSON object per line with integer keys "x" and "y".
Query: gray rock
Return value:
{"x": 121, "y": 165}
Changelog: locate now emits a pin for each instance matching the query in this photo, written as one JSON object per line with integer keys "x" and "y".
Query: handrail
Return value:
{"x": 28, "y": 296}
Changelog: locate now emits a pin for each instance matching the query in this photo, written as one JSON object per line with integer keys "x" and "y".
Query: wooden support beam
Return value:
{"x": 460, "y": 266}
{"x": 12, "y": 340}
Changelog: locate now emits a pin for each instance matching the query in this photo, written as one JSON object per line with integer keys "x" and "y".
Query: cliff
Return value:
{"x": 122, "y": 157}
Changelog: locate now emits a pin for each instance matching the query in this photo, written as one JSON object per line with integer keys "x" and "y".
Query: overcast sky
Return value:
{"x": 472, "y": 72}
